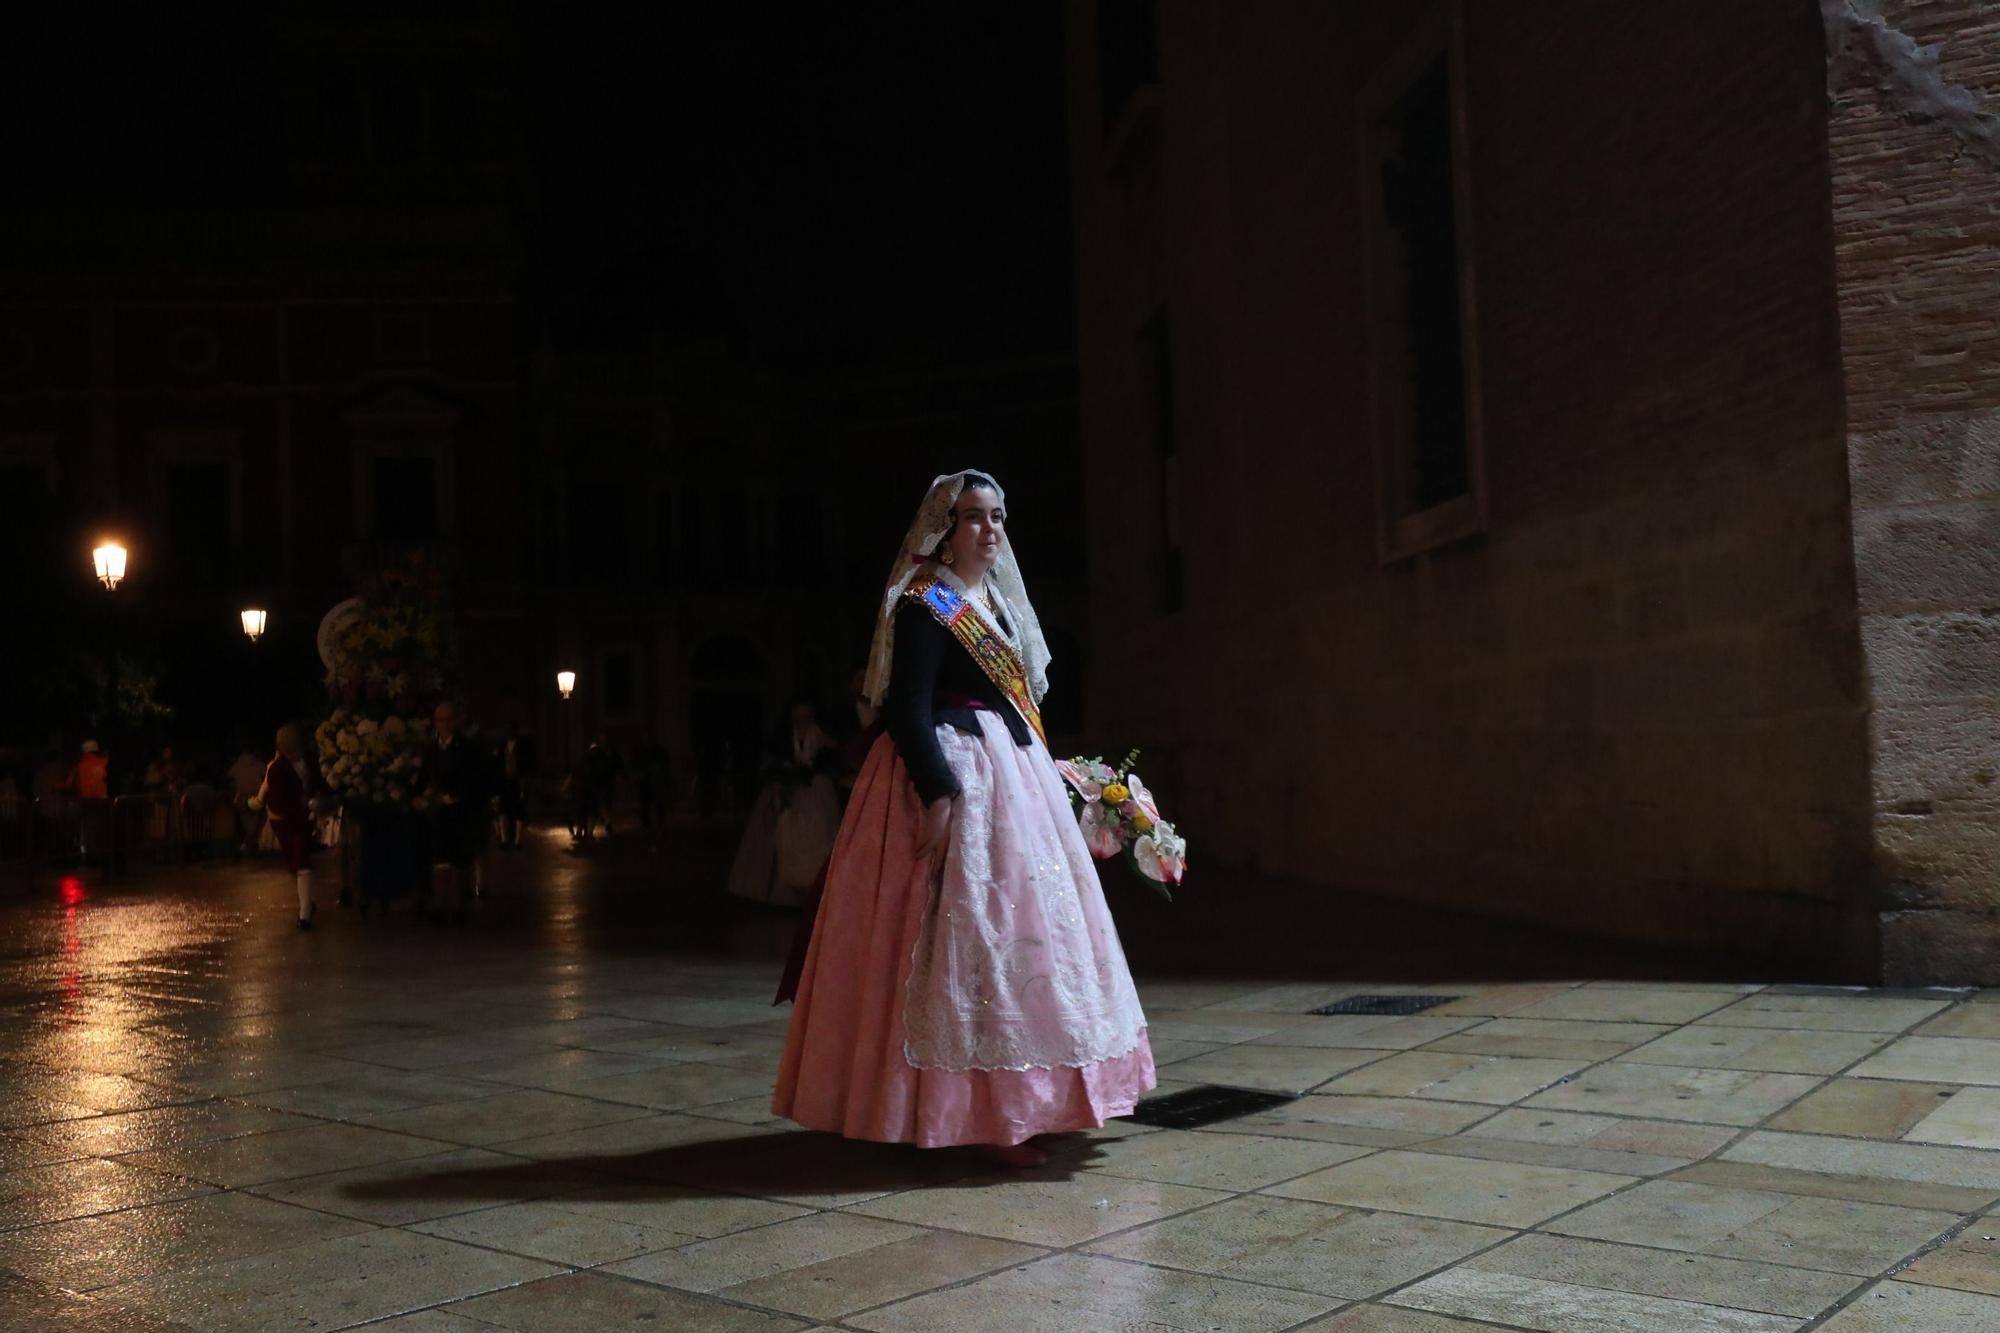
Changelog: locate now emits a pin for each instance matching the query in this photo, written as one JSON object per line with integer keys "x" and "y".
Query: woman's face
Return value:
{"x": 975, "y": 541}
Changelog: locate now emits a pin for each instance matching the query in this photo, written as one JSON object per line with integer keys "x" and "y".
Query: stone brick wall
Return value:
{"x": 1636, "y": 705}
{"x": 1915, "y": 145}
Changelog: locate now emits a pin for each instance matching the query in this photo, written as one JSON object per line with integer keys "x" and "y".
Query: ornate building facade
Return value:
{"x": 270, "y": 379}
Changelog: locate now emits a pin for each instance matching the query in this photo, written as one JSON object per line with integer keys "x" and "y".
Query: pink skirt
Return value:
{"x": 1016, "y": 865}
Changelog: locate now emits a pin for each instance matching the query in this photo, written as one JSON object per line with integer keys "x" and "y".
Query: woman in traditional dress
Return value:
{"x": 964, "y": 984}
{"x": 794, "y": 818}
{"x": 291, "y": 780}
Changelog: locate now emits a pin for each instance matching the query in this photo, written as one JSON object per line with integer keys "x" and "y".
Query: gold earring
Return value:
{"x": 946, "y": 556}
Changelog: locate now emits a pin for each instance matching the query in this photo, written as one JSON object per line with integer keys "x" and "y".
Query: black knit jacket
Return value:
{"x": 928, "y": 662}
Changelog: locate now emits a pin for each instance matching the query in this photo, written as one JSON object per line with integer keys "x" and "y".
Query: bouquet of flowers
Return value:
{"x": 389, "y": 650}
{"x": 389, "y": 656}
{"x": 371, "y": 761}
{"x": 1120, "y": 819}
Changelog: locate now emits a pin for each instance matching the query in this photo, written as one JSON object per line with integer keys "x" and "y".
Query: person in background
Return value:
{"x": 652, "y": 779}
{"x": 47, "y": 788}
{"x": 455, "y": 792}
{"x": 164, "y": 778}
{"x": 245, "y": 776}
{"x": 90, "y": 778}
{"x": 285, "y": 796}
{"x": 595, "y": 779}
{"x": 89, "y": 783}
{"x": 791, "y": 827}
{"x": 516, "y": 764}
{"x": 166, "y": 775}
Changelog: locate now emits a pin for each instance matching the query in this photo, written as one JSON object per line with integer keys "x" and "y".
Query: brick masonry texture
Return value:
{"x": 1916, "y": 215}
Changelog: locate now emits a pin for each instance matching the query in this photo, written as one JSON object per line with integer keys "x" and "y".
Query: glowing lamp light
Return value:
{"x": 110, "y": 561}
{"x": 566, "y": 682}
{"x": 253, "y": 623}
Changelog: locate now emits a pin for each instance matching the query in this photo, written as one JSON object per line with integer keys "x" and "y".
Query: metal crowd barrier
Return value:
{"x": 46, "y": 835}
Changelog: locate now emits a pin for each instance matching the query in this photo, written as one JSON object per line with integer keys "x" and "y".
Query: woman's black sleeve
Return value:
{"x": 907, "y": 711}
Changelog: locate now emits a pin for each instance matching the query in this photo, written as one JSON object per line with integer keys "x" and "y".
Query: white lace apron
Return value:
{"x": 1017, "y": 965}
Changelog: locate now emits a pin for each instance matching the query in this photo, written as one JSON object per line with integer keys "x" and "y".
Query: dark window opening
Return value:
{"x": 598, "y": 547}
{"x": 405, "y": 498}
{"x": 1419, "y": 216}
{"x": 336, "y": 134}
{"x": 401, "y": 336}
{"x": 620, "y": 684}
{"x": 199, "y": 537}
{"x": 27, "y": 522}
{"x": 1128, "y": 53}
{"x": 732, "y": 531}
{"x": 454, "y": 109}
{"x": 395, "y": 115}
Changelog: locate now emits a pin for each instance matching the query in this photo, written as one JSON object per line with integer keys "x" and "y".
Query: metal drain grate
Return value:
{"x": 1192, "y": 1108}
{"x": 1384, "y": 1004}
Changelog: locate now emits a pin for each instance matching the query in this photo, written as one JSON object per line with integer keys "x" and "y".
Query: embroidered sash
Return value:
{"x": 995, "y": 656}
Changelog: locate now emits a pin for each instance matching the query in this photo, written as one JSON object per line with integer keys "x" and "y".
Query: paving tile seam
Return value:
{"x": 1152, "y": 1266}
{"x": 444, "y": 1306}
{"x": 1567, "y": 1078}
{"x": 1851, "y": 1298}
{"x": 1856, "y": 1280}
{"x": 1936, "y": 1243}
{"x": 1513, "y": 1234}
{"x": 1642, "y": 1180}
{"x": 966, "y": 1281}
{"x": 1578, "y": 1280}
{"x": 1764, "y": 1125}
{"x": 204, "y": 1192}
{"x": 1540, "y": 1229}
{"x": 14, "y": 1127}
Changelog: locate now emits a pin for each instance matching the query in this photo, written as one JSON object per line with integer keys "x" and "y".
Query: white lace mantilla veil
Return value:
{"x": 1003, "y": 579}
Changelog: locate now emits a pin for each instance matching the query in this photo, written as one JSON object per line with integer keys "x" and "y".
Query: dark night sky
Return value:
{"x": 886, "y": 178}
{"x": 859, "y": 183}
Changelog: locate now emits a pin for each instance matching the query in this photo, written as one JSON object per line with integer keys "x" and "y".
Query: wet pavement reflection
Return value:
{"x": 554, "y": 1116}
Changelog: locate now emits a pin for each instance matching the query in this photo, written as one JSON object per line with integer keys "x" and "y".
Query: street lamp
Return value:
{"x": 565, "y": 686}
{"x": 110, "y": 561}
{"x": 253, "y": 623}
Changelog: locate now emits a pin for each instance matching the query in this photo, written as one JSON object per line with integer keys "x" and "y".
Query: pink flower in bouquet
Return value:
{"x": 1161, "y": 854}
{"x": 1102, "y": 830}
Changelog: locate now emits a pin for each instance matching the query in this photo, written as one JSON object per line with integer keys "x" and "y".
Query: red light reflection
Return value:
{"x": 72, "y": 890}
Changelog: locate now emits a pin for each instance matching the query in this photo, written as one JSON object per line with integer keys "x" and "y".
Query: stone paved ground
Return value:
{"x": 554, "y": 1118}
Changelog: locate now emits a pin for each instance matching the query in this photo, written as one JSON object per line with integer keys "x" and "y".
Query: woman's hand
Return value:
{"x": 937, "y": 823}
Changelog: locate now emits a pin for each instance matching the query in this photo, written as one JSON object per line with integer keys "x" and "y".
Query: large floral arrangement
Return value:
{"x": 371, "y": 761}
{"x": 388, "y": 651}
{"x": 1119, "y": 818}
{"x": 388, "y": 655}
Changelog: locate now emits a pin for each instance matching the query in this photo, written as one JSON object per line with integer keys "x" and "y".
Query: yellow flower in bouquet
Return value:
{"x": 1119, "y": 819}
